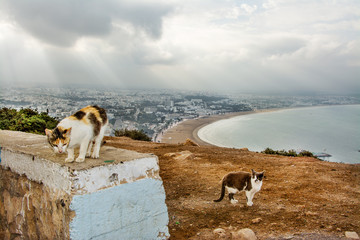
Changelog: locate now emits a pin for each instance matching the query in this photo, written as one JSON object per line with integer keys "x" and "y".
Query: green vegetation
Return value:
{"x": 133, "y": 134}
{"x": 291, "y": 153}
{"x": 26, "y": 120}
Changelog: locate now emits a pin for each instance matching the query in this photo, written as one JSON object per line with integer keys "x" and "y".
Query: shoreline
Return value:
{"x": 188, "y": 129}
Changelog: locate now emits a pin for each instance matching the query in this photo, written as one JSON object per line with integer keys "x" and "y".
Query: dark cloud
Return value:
{"x": 146, "y": 16}
{"x": 62, "y": 22}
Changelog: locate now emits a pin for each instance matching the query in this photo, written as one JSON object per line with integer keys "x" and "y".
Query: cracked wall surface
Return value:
{"x": 30, "y": 210}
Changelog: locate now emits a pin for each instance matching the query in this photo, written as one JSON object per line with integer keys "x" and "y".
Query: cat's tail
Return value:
{"x": 222, "y": 192}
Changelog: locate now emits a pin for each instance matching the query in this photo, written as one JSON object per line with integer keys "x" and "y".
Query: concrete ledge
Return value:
{"x": 119, "y": 193}
{"x": 29, "y": 154}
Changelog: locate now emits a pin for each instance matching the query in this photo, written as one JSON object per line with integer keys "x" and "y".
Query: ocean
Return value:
{"x": 334, "y": 130}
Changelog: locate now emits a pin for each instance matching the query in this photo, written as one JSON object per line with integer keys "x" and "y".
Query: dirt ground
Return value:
{"x": 301, "y": 198}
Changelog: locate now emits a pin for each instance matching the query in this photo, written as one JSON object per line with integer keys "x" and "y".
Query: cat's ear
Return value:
{"x": 48, "y": 132}
{"x": 253, "y": 172}
{"x": 67, "y": 131}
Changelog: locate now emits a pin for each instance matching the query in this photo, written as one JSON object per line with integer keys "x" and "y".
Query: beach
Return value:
{"x": 311, "y": 128}
{"x": 304, "y": 125}
{"x": 188, "y": 129}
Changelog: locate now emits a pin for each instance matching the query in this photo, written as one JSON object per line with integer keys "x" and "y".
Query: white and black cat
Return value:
{"x": 85, "y": 128}
{"x": 235, "y": 182}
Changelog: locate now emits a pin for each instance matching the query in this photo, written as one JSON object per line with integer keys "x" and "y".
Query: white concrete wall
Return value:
{"x": 129, "y": 211}
{"x": 123, "y": 199}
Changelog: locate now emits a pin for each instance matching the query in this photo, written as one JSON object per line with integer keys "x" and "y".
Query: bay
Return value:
{"x": 334, "y": 130}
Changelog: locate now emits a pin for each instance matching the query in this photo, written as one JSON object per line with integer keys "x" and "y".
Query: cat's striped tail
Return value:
{"x": 222, "y": 191}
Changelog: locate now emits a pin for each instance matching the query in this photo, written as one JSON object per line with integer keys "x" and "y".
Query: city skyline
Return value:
{"x": 154, "y": 111}
{"x": 223, "y": 46}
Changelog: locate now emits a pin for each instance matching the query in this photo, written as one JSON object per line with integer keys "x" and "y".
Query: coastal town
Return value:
{"x": 154, "y": 111}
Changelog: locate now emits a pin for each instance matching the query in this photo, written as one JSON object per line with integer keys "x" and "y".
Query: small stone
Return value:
{"x": 281, "y": 207}
{"x": 244, "y": 234}
{"x": 256, "y": 220}
{"x": 169, "y": 154}
{"x": 219, "y": 231}
{"x": 352, "y": 235}
{"x": 301, "y": 207}
{"x": 288, "y": 237}
{"x": 231, "y": 228}
{"x": 190, "y": 142}
{"x": 309, "y": 213}
{"x": 184, "y": 155}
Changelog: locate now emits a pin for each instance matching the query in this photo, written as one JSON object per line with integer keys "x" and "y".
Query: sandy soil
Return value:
{"x": 299, "y": 195}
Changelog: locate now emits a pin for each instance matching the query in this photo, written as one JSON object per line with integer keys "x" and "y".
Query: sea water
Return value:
{"x": 334, "y": 130}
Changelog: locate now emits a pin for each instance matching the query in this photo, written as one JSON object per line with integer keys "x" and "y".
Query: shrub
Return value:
{"x": 26, "y": 120}
{"x": 133, "y": 134}
{"x": 290, "y": 153}
{"x": 269, "y": 151}
{"x": 305, "y": 153}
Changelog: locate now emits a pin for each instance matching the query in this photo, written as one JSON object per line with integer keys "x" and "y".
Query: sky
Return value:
{"x": 210, "y": 45}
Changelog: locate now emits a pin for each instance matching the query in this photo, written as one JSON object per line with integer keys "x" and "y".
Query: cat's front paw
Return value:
{"x": 233, "y": 201}
{"x": 79, "y": 159}
{"x": 69, "y": 159}
{"x": 95, "y": 155}
{"x": 250, "y": 204}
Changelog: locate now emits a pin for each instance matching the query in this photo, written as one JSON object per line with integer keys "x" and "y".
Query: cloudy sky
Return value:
{"x": 229, "y": 45}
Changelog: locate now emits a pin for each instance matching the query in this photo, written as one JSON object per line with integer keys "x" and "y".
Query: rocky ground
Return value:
{"x": 301, "y": 198}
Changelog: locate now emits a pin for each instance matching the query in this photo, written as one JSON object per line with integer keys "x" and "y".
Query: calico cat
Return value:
{"x": 85, "y": 128}
{"x": 235, "y": 182}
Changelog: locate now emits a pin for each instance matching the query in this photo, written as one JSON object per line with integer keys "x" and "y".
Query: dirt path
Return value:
{"x": 299, "y": 195}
